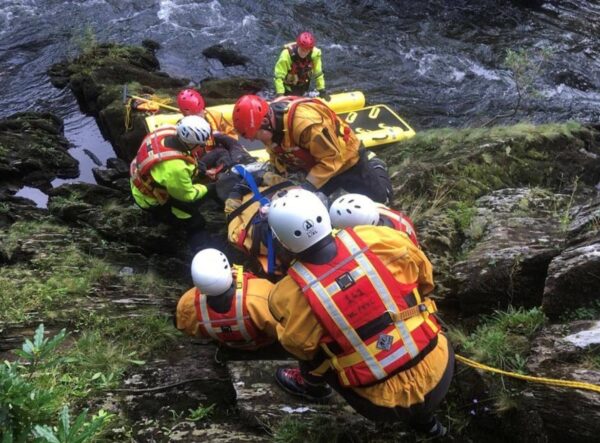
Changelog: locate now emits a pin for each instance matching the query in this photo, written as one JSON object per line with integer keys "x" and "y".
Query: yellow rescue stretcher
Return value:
{"x": 375, "y": 125}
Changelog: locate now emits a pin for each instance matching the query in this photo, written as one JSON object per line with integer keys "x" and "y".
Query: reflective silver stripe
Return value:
{"x": 407, "y": 338}
{"x": 223, "y": 320}
{"x": 204, "y": 310}
{"x": 357, "y": 273}
{"x": 341, "y": 322}
{"x": 313, "y": 281}
{"x": 388, "y": 213}
{"x": 397, "y": 354}
{"x": 239, "y": 306}
{"x": 381, "y": 289}
{"x": 162, "y": 157}
{"x": 406, "y": 224}
{"x": 333, "y": 289}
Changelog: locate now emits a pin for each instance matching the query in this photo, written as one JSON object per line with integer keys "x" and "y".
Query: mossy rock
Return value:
{"x": 466, "y": 164}
{"x": 34, "y": 150}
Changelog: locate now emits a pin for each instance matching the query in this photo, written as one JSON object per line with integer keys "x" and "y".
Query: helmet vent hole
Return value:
{"x": 348, "y": 211}
{"x": 297, "y": 233}
{"x": 357, "y": 206}
{"x": 338, "y": 212}
{"x": 319, "y": 219}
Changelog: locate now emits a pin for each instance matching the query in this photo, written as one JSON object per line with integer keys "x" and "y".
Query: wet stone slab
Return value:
{"x": 261, "y": 402}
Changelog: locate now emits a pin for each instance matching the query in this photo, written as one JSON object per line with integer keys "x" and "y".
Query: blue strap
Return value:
{"x": 250, "y": 180}
{"x": 263, "y": 201}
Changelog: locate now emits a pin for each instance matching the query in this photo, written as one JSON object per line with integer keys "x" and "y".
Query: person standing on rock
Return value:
{"x": 227, "y": 305}
{"x": 304, "y": 136}
{"x": 298, "y": 62}
{"x": 351, "y": 210}
{"x": 353, "y": 310}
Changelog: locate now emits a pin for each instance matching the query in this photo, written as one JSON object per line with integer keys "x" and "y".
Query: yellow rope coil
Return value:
{"x": 128, "y": 124}
{"x": 547, "y": 381}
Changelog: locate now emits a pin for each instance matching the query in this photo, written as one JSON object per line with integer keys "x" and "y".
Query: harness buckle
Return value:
{"x": 344, "y": 281}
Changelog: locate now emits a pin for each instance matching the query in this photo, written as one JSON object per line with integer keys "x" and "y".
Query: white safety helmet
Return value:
{"x": 299, "y": 219}
{"x": 193, "y": 130}
{"x": 211, "y": 272}
{"x": 351, "y": 210}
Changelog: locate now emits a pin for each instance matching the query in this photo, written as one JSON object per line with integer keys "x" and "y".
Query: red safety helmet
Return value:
{"x": 190, "y": 102}
{"x": 306, "y": 41}
{"x": 248, "y": 114}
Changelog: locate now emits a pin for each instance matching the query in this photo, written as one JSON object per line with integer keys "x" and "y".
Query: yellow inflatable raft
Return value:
{"x": 375, "y": 125}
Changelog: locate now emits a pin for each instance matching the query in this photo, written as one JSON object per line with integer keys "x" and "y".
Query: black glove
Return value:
{"x": 201, "y": 168}
{"x": 226, "y": 162}
{"x": 239, "y": 190}
{"x": 324, "y": 95}
{"x": 211, "y": 191}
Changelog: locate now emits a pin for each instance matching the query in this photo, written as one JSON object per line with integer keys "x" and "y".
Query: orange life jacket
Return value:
{"x": 155, "y": 149}
{"x": 375, "y": 326}
{"x": 400, "y": 222}
{"x": 233, "y": 328}
{"x": 301, "y": 68}
{"x": 285, "y": 109}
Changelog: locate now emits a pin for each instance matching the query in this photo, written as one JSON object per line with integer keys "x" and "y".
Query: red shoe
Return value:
{"x": 291, "y": 381}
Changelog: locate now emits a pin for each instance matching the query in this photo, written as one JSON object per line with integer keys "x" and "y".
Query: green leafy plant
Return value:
{"x": 201, "y": 412}
{"x": 79, "y": 431}
{"x": 86, "y": 41}
{"x": 525, "y": 66}
{"x": 22, "y": 403}
{"x": 41, "y": 349}
{"x": 30, "y": 396}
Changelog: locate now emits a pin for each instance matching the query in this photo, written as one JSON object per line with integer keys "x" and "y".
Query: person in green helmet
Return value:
{"x": 297, "y": 64}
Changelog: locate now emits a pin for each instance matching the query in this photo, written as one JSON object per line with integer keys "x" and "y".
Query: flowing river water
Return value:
{"x": 437, "y": 63}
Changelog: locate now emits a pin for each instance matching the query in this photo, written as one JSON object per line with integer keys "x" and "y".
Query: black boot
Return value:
{"x": 291, "y": 381}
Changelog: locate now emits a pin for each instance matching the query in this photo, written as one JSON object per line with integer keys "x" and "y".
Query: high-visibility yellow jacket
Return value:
{"x": 160, "y": 172}
{"x": 300, "y": 332}
{"x": 290, "y": 70}
{"x": 320, "y": 143}
{"x": 175, "y": 178}
{"x": 193, "y": 317}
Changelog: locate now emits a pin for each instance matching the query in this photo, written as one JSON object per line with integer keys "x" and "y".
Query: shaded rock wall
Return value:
{"x": 34, "y": 151}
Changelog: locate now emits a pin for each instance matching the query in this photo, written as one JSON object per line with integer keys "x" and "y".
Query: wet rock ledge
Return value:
{"x": 510, "y": 216}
